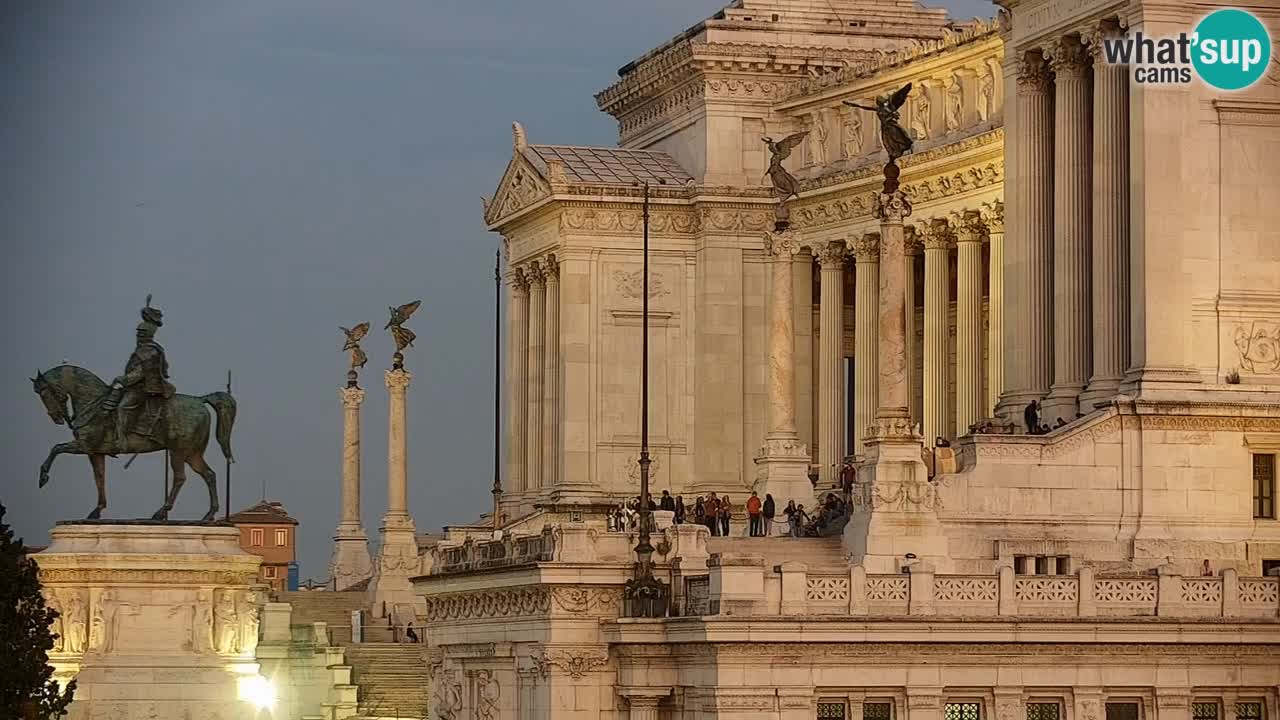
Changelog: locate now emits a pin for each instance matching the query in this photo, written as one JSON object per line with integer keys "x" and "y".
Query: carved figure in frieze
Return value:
{"x": 74, "y": 622}
{"x": 249, "y": 605}
{"x": 852, "y": 141}
{"x": 954, "y": 104}
{"x": 487, "y": 694}
{"x": 226, "y": 624}
{"x": 105, "y": 630}
{"x": 986, "y": 95}
{"x": 820, "y": 135}
{"x": 53, "y": 603}
{"x": 199, "y": 622}
{"x": 920, "y": 115}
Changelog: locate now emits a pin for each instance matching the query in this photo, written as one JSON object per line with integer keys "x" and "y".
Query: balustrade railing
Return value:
{"x": 856, "y": 593}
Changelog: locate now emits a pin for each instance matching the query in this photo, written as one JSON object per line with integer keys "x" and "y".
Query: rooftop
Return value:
{"x": 267, "y": 511}
{"x": 608, "y": 165}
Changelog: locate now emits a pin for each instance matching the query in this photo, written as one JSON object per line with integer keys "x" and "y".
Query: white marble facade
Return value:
{"x": 1125, "y": 278}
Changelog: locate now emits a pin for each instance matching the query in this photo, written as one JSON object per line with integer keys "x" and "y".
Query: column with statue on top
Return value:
{"x": 350, "y": 564}
{"x": 895, "y": 519}
{"x": 391, "y": 593}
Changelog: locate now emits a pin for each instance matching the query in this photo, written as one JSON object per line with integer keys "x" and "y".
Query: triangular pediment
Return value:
{"x": 522, "y": 186}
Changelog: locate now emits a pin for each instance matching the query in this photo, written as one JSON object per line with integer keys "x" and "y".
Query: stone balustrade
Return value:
{"x": 922, "y": 592}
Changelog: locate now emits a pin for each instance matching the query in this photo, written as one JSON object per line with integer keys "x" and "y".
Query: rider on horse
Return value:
{"x": 144, "y": 385}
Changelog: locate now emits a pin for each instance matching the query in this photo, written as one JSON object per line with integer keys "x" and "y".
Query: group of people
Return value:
{"x": 715, "y": 512}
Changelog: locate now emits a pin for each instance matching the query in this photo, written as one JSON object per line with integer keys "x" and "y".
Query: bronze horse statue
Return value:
{"x": 182, "y": 428}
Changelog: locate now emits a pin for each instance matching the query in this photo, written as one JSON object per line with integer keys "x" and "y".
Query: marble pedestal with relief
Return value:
{"x": 157, "y": 620}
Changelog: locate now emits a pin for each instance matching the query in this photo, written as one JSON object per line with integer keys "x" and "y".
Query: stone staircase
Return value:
{"x": 819, "y": 554}
{"x": 333, "y": 608}
{"x": 392, "y": 680}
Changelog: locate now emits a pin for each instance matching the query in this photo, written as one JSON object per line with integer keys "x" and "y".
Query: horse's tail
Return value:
{"x": 225, "y": 407}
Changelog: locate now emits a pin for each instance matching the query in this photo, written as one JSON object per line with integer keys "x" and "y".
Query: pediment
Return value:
{"x": 522, "y": 186}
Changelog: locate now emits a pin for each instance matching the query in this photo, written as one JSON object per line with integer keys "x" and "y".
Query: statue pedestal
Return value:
{"x": 895, "y": 507}
{"x": 157, "y": 619}
{"x": 782, "y": 470}
{"x": 350, "y": 564}
{"x": 390, "y": 591}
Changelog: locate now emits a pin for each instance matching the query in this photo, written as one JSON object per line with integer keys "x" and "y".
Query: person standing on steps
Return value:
{"x": 753, "y": 515}
{"x": 768, "y": 511}
{"x": 726, "y": 512}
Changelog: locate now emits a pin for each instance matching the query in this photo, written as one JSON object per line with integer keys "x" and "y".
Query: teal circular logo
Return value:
{"x": 1231, "y": 49}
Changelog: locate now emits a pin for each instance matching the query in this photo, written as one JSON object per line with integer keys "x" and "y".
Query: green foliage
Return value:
{"x": 27, "y": 688}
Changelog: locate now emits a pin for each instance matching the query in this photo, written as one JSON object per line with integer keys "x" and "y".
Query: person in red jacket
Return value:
{"x": 753, "y": 515}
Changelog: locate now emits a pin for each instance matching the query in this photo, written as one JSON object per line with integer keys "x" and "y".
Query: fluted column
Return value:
{"x": 969, "y": 397}
{"x": 352, "y": 398}
{"x": 782, "y": 348}
{"x": 866, "y": 373}
{"x": 911, "y": 249}
{"x": 1110, "y": 263}
{"x": 831, "y": 363}
{"x": 1030, "y": 342}
{"x": 350, "y": 563}
{"x": 537, "y": 340}
{"x": 1072, "y": 227}
{"x": 397, "y": 382}
{"x": 782, "y": 466}
{"x": 518, "y": 379}
{"x": 993, "y": 219}
{"x": 937, "y": 288}
{"x": 551, "y": 376}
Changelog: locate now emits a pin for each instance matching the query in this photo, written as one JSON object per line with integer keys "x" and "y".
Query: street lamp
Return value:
{"x": 645, "y": 595}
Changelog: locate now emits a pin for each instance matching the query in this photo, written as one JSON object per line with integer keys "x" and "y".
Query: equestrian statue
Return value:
{"x": 138, "y": 412}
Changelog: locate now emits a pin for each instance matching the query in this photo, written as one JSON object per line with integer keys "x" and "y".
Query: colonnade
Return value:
{"x": 943, "y": 413}
{"x": 533, "y": 377}
{"x": 1069, "y": 301}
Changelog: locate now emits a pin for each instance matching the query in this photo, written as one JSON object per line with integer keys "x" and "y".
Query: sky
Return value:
{"x": 270, "y": 171}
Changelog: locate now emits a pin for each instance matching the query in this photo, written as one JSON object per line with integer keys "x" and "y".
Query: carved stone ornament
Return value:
{"x": 586, "y": 599}
{"x": 993, "y": 216}
{"x": 576, "y": 662}
{"x": 1033, "y": 75}
{"x": 781, "y": 245}
{"x": 892, "y": 207}
{"x": 866, "y": 249}
{"x": 1259, "y": 348}
{"x": 630, "y": 284}
{"x": 832, "y": 254}
{"x": 446, "y": 694}
{"x": 967, "y": 226}
{"x": 1066, "y": 56}
{"x": 487, "y": 694}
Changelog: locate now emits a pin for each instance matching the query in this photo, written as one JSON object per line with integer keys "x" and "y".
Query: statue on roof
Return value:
{"x": 352, "y": 344}
{"x": 896, "y": 140}
{"x": 403, "y": 336}
{"x": 785, "y": 184}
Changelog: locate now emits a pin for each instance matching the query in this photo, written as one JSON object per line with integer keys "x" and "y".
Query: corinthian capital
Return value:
{"x": 782, "y": 244}
{"x": 831, "y": 255}
{"x": 518, "y": 280}
{"x": 892, "y": 207}
{"x": 1094, "y": 36}
{"x": 397, "y": 379}
{"x": 934, "y": 235}
{"x": 551, "y": 268}
{"x": 1033, "y": 74}
{"x": 911, "y": 244}
{"x": 1067, "y": 56}
{"x": 866, "y": 249}
{"x": 993, "y": 216}
{"x": 351, "y": 396}
{"x": 966, "y": 226}
{"x": 535, "y": 273}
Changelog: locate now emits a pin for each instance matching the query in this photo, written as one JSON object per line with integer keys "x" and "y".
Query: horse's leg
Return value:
{"x": 197, "y": 463}
{"x": 179, "y": 477}
{"x": 99, "y": 463}
{"x": 67, "y": 447}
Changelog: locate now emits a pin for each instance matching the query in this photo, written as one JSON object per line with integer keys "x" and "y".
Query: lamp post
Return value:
{"x": 645, "y": 595}
{"x": 497, "y": 387}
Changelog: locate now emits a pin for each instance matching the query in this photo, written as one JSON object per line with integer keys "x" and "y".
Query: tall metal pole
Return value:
{"x": 644, "y": 549}
{"x": 497, "y": 387}
{"x": 227, "y": 516}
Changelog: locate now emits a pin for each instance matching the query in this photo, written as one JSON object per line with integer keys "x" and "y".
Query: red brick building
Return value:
{"x": 267, "y": 530}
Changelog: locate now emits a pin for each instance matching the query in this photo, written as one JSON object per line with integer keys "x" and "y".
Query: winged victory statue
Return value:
{"x": 403, "y": 336}
{"x": 896, "y": 140}
{"x": 785, "y": 184}
{"x": 352, "y": 345}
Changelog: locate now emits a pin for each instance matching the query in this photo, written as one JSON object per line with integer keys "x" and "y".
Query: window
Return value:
{"x": 255, "y": 537}
{"x": 1264, "y": 486}
{"x": 1122, "y": 711}
{"x": 1269, "y": 565}
{"x": 877, "y": 711}
{"x": 962, "y": 711}
{"x": 269, "y": 572}
{"x": 1044, "y": 711}
{"x": 831, "y": 710}
{"x": 282, "y": 537}
{"x": 1204, "y": 711}
{"x": 1249, "y": 711}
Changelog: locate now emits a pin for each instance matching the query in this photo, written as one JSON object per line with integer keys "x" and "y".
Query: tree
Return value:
{"x": 27, "y": 688}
